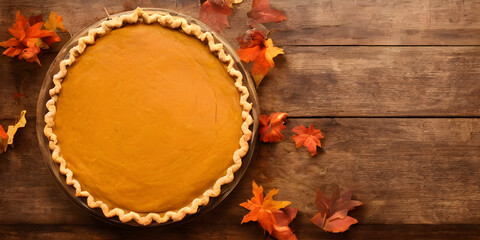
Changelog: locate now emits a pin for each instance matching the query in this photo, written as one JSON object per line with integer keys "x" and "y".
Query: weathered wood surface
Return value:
{"x": 374, "y": 81}
{"x": 371, "y": 22}
{"x": 237, "y": 232}
{"x": 418, "y": 177}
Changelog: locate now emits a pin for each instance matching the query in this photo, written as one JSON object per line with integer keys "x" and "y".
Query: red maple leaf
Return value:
{"x": 332, "y": 215}
{"x": 308, "y": 138}
{"x": 273, "y": 216}
{"x": 26, "y": 39}
{"x": 214, "y": 13}
{"x": 262, "y": 13}
{"x": 255, "y": 47}
{"x": 271, "y": 127}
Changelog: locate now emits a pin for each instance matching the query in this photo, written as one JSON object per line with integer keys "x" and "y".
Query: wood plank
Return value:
{"x": 406, "y": 171}
{"x": 337, "y": 81}
{"x": 370, "y": 22}
{"x": 240, "y": 232}
{"x": 374, "y": 81}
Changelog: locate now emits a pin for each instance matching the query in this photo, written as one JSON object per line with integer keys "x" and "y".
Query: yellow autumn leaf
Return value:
{"x": 54, "y": 21}
{"x": 13, "y": 129}
{"x": 6, "y": 138}
{"x": 231, "y": 2}
{"x": 272, "y": 52}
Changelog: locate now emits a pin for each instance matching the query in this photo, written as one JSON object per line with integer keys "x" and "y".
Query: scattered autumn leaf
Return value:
{"x": 19, "y": 124}
{"x": 7, "y": 137}
{"x": 4, "y": 140}
{"x": 214, "y": 13}
{"x": 27, "y": 39}
{"x": 54, "y": 21}
{"x": 332, "y": 215}
{"x": 271, "y": 127}
{"x": 273, "y": 216}
{"x": 262, "y": 13}
{"x": 308, "y": 138}
{"x": 255, "y": 47}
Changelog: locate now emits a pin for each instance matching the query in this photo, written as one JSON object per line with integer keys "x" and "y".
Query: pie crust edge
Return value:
{"x": 168, "y": 21}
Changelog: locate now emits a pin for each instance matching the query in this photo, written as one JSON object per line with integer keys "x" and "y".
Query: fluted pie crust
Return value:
{"x": 170, "y": 22}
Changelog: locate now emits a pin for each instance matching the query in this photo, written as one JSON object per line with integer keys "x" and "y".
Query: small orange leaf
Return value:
{"x": 332, "y": 215}
{"x": 271, "y": 127}
{"x": 308, "y": 138}
{"x": 255, "y": 47}
{"x": 273, "y": 216}
{"x": 262, "y": 13}
{"x": 54, "y": 21}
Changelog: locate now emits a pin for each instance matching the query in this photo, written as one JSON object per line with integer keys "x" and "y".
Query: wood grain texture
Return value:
{"x": 406, "y": 171}
{"x": 372, "y": 22}
{"x": 374, "y": 81}
{"x": 238, "y": 232}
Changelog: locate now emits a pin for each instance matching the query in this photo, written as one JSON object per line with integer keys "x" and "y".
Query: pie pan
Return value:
{"x": 70, "y": 190}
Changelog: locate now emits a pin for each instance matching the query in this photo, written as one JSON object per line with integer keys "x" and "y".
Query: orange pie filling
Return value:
{"x": 148, "y": 119}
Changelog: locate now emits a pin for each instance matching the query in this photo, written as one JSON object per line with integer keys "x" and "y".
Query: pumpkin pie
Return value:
{"x": 148, "y": 118}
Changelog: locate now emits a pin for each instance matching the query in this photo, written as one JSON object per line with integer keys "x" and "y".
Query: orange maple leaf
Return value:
{"x": 273, "y": 216}
{"x": 214, "y": 13}
{"x": 271, "y": 127}
{"x": 332, "y": 215}
{"x": 308, "y": 138}
{"x": 262, "y": 13}
{"x": 255, "y": 47}
{"x": 26, "y": 38}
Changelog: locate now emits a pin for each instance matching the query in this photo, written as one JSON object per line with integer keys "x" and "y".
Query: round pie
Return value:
{"x": 148, "y": 118}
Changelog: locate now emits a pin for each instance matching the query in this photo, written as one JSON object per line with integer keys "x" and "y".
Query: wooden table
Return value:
{"x": 394, "y": 86}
